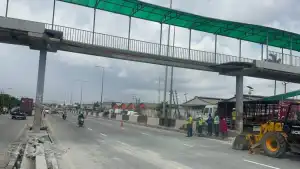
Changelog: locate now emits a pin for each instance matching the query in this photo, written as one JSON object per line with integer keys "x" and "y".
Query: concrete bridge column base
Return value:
{"x": 239, "y": 103}
{"x": 40, "y": 92}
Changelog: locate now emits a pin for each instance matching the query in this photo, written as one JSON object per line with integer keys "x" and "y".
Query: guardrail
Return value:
{"x": 100, "y": 39}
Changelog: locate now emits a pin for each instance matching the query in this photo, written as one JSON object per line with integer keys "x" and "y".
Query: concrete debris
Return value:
{"x": 52, "y": 148}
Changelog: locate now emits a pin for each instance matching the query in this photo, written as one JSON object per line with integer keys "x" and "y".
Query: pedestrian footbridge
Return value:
{"x": 35, "y": 35}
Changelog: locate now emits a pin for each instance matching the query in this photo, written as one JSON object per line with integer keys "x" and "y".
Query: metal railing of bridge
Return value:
{"x": 286, "y": 59}
{"x": 110, "y": 41}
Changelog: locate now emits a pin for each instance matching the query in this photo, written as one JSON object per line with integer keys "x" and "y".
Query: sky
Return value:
{"x": 124, "y": 79}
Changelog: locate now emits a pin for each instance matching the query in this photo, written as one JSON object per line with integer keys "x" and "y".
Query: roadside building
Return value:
{"x": 196, "y": 105}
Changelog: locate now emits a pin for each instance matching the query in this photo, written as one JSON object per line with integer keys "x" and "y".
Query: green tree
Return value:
{"x": 8, "y": 101}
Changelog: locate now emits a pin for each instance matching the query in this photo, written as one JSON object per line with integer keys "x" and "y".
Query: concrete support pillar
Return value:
{"x": 239, "y": 103}
{"x": 40, "y": 92}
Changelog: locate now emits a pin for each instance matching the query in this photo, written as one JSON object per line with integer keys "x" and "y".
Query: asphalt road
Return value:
{"x": 10, "y": 130}
{"x": 104, "y": 144}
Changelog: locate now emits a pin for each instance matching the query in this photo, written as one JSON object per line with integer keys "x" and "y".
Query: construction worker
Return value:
{"x": 217, "y": 124}
{"x": 209, "y": 122}
{"x": 200, "y": 126}
{"x": 233, "y": 118}
{"x": 189, "y": 126}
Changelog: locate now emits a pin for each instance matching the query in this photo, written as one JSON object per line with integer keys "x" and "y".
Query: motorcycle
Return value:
{"x": 80, "y": 122}
{"x": 64, "y": 116}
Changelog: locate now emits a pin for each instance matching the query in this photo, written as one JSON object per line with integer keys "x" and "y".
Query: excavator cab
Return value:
{"x": 292, "y": 127}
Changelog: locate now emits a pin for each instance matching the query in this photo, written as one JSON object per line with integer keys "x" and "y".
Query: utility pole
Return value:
{"x": 166, "y": 76}
{"x": 185, "y": 96}
{"x": 71, "y": 98}
{"x": 171, "y": 83}
{"x": 159, "y": 89}
{"x": 102, "y": 85}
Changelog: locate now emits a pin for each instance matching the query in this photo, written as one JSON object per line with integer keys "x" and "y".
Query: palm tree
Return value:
{"x": 273, "y": 58}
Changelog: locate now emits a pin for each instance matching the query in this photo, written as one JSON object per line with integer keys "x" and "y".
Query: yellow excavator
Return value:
{"x": 274, "y": 137}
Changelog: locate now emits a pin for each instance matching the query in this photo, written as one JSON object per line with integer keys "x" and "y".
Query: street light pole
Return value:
{"x": 81, "y": 91}
{"x": 102, "y": 84}
{"x": 81, "y": 94}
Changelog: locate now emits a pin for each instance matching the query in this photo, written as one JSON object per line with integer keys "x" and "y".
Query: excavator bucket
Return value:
{"x": 240, "y": 143}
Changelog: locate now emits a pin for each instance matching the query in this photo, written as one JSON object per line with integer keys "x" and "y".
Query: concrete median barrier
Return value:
{"x": 133, "y": 119}
{"x": 119, "y": 117}
{"x": 125, "y": 117}
{"x": 152, "y": 121}
{"x": 142, "y": 119}
{"x": 180, "y": 124}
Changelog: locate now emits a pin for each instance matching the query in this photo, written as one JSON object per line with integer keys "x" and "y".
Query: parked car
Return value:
{"x": 17, "y": 114}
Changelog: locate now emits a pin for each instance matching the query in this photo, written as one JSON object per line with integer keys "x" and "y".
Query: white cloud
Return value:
{"x": 124, "y": 77}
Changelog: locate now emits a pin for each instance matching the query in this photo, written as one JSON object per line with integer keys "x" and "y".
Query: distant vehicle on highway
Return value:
{"x": 47, "y": 111}
{"x": 26, "y": 106}
{"x": 17, "y": 114}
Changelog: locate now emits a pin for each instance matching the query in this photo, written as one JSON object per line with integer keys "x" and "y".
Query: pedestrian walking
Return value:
{"x": 217, "y": 125}
{"x": 209, "y": 122}
{"x": 223, "y": 127}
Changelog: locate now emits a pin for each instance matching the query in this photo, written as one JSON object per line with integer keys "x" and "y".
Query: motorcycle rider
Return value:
{"x": 80, "y": 116}
{"x": 64, "y": 115}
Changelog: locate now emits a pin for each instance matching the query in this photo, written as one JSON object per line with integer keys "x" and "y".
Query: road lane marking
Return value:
{"x": 220, "y": 141}
{"x": 103, "y": 134}
{"x": 188, "y": 145}
{"x": 125, "y": 144}
{"x": 253, "y": 162}
{"x": 146, "y": 134}
{"x": 90, "y": 129}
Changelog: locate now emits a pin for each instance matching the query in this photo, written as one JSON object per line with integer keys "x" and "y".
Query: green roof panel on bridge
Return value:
{"x": 283, "y": 96}
{"x": 155, "y": 13}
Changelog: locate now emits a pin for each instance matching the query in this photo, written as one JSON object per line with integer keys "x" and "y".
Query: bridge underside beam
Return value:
{"x": 264, "y": 74}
